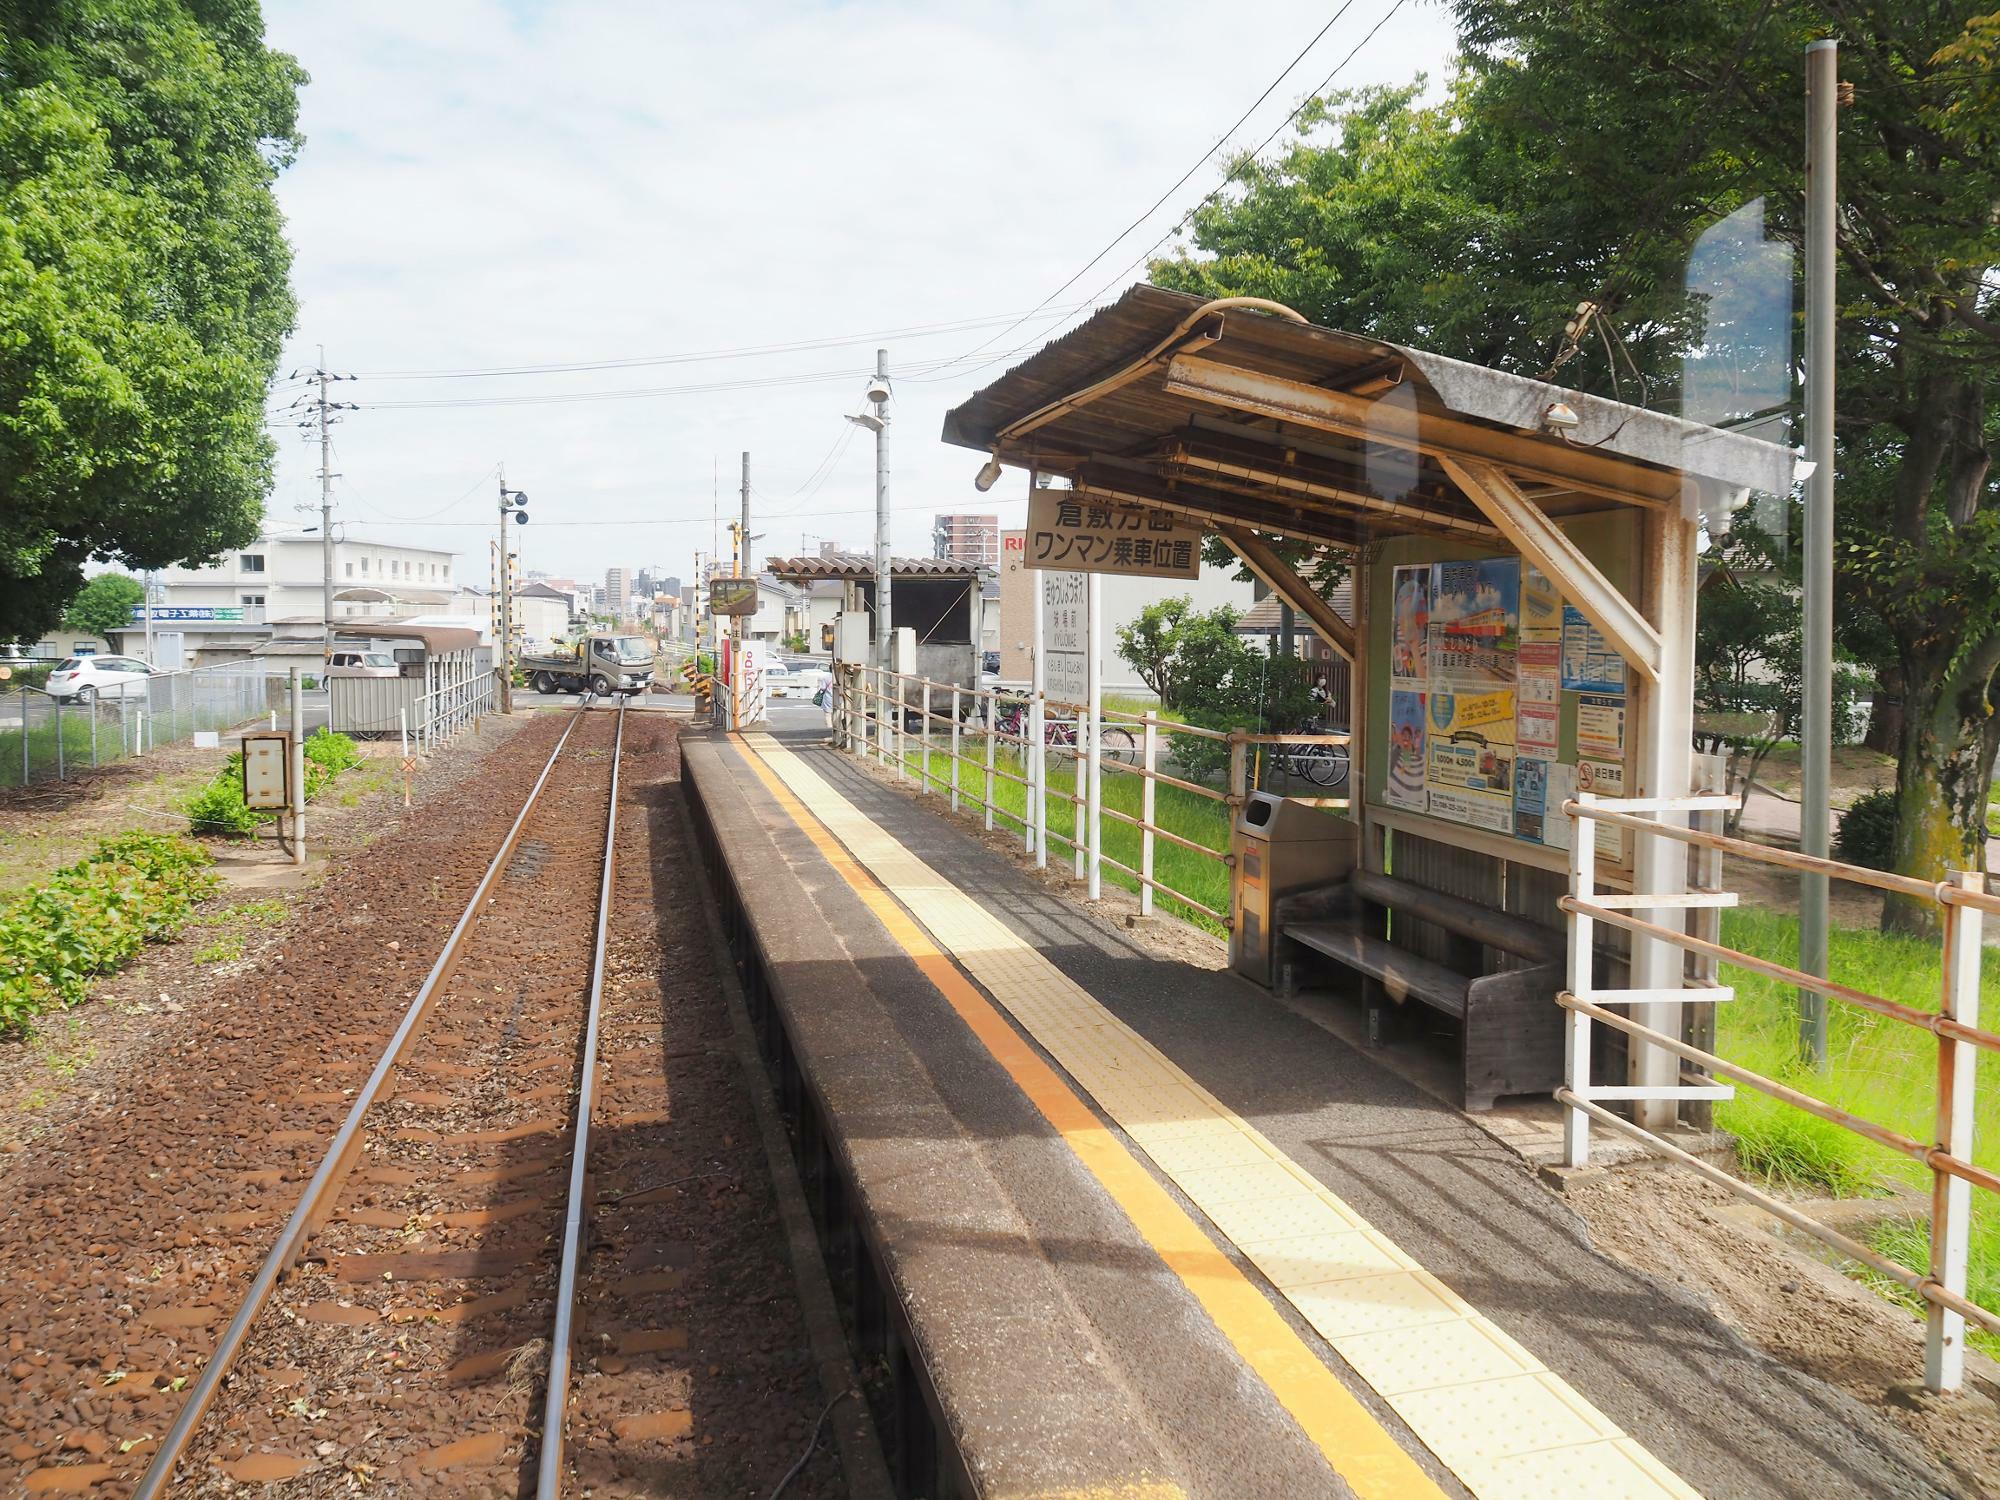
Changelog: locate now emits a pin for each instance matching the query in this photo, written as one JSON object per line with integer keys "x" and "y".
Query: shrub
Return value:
{"x": 88, "y": 918}
{"x": 1867, "y": 833}
{"x": 334, "y": 752}
{"x": 218, "y": 807}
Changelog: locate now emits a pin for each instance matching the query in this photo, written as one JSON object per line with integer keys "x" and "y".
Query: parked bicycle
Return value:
{"x": 1321, "y": 764}
{"x": 1115, "y": 742}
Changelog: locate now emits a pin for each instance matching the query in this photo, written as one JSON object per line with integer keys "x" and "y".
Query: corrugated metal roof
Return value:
{"x": 1136, "y": 436}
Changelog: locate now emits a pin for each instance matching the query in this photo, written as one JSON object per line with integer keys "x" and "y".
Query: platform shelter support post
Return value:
{"x": 1094, "y": 715}
{"x": 1665, "y": 764}
{"x": 1951, "y": 1197}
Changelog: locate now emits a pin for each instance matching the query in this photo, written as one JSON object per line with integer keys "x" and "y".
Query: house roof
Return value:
{"x": 860, "y": 566}
{"x": 1265, "y": 617}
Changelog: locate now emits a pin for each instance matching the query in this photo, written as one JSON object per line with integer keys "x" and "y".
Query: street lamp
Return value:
{"x": 512, "y": 503}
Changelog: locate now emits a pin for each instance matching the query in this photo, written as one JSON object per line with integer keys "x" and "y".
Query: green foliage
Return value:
{"x": 105, "y": 604}
{"x": 218, "y": 808}
{"x": 1579, "y": 156}
{"x": 332, "y": 752}
{"x": 89, "y": 918}
{"x": 143, "y": 285}
{"x": 1867, "y": 833}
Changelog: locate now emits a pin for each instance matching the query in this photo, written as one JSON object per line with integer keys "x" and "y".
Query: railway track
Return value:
{"x": 430, "y": 1270}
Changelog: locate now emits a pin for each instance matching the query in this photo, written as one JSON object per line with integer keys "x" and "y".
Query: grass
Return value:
{"x": 1199, "y": 819}
{"x": 222, "y": 950}
{"x": 1882, "y": 1070}
{"x": 42, "y": 747}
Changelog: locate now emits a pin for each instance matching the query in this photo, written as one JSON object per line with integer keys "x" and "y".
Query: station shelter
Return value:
{"x": 442, "y": 672}
{"x": 1523, "y": 567}
{"x": 939, "y": 600}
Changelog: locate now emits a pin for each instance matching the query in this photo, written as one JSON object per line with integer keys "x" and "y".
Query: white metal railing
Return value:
{"x": 873, "y": 706}
{"x": 458, "y": 699}
{"x": 1961, "y": 901}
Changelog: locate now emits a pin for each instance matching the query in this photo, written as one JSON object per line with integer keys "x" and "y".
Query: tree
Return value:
{"x": 1749, "y": 676}
{"x": 1150, "y": 643}
{"x": 143, "y": 285}
{"x": 105, "y": 604}
{"x": 1576, "y": 156}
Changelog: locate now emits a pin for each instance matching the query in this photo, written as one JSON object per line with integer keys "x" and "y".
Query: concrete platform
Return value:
{"x": 1149, "y": 1232}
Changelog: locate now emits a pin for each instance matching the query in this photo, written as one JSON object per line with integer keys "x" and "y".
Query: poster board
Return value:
{"x": 1492, "y": 699}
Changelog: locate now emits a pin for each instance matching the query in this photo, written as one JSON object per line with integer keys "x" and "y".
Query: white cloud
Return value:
{"x": 488, "y": 184}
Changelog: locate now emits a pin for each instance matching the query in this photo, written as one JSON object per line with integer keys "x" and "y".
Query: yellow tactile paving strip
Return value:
{"x": 1495, "y": 1415}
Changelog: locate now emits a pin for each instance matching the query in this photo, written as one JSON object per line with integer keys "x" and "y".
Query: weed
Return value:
{"x": 224, "y": 950}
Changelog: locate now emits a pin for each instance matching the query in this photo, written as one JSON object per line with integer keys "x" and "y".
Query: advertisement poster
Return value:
{"x": 1535, "y": 727}
{"x": 1405, "y": 784}
{"x": 1589, "y": 665}
{"x": 1471, "y": 758}
{"x": 1539, "y": 677}
{"x": 1541, "y": 609}
{"x": 1475, "y": 623}
{"x": 1531, "y": 797}
{"x": 1410, "y": 626}
{"x": 1600, "y": 726}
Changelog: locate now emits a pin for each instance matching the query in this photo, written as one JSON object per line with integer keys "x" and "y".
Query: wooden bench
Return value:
{"x": 1510, "y": 1028}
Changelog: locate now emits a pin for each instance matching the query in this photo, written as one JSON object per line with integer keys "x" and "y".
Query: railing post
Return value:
{"x": 992, "y": 733}
{"x": 954, "y": 747}
{"x": 1951, "y": 1197}
{"x": 1576, "y": 1033}
{"x": 1079, "y": 787}
{"x": 1149, "y": 749}
{"x": 1037, "y": 758}
{"x": 924, "y": 741}
{"x": 1239, "y": 769}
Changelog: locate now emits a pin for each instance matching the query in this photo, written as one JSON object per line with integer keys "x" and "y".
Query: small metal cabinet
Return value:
{"x": 1282, "y": 846}
{"x": 267, "y": 768}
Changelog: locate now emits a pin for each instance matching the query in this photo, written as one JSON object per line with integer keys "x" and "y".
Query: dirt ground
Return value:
{"x": 1787, "y": 1301}
{"x": 147, "y": 1175}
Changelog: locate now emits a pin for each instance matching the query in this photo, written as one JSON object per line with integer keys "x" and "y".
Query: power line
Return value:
{"x": 746, "y": 351}
{"x": 1179, "y": 183}
{"x": 1202, "y": 202}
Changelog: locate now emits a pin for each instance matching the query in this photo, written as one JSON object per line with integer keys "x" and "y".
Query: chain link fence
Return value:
{"x": 47, "y": 739}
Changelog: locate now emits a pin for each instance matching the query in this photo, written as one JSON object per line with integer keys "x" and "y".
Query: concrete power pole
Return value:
{"x": 325, "y": 508}
{"x": 885, "y": 648}
{"x": 1816, "y": 718}
{"x": 506, "y": 641}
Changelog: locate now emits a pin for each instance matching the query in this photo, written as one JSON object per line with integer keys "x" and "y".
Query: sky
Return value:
{"x": 489, "y": 186}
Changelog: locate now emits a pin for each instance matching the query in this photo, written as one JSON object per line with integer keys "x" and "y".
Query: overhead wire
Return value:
{"x": 1206, "y": 198}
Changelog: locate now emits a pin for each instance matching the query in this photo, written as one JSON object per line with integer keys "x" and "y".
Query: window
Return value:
{"x": 250, "y": 599}
{"x": 364, "y": 567}
{"x": 251, "y": 562}
{"x": 84, "y": 648}
{"x": 350, "y": 570}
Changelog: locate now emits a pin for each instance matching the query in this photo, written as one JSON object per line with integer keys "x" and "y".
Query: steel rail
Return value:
{"x": 555, "y": 1404}
{"x": 333, "y": 1167}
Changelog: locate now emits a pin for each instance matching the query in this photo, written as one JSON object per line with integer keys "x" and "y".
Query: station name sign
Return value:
{"x": 732, "y": 596}
{"x": 1074, "y": 532}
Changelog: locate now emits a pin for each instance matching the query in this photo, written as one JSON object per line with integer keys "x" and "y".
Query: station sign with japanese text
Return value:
{"x": 1070, "y": 531}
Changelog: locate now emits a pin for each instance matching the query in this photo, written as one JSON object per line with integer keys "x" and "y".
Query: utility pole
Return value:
{"x": 512, "y": 503}
{"x": 325, "y": 505}
{"x": 884, "y": 618}
{"x": 1816, "y": 718}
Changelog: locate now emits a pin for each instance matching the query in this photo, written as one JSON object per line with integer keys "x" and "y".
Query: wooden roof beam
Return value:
{"x": 1284, "y": 581}
{"x": 1549, "y": 548}
{"x": 1396, "y": 425}
{"x": 1293, "y": 484}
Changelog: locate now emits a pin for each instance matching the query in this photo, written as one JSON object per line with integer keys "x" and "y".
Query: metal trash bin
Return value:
{"x": 1282, "y": 846}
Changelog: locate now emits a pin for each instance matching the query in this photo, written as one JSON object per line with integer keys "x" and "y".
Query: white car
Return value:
{"x": 84, "y": 679}
{"x": 346, "y": 662}
{"x": 780, "y": 681}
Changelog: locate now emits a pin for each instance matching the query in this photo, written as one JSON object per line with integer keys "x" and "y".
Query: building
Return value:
{"x": 276, "y": 587}
{"x": 541, "y": 614}
{"x": 618, "y": 592}
{"x": 966, "y": 538}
